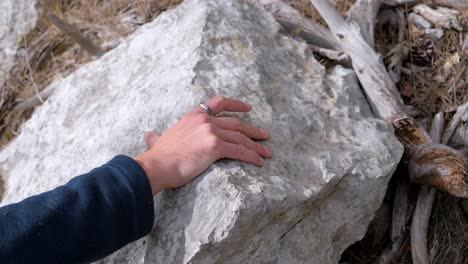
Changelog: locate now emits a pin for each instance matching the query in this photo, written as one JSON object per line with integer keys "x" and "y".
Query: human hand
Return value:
{"x": 197, "y": 140}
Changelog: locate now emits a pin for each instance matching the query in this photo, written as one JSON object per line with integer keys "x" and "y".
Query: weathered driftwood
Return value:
{"x": 364, "y": 14}
{"x": 84, "y": 42}
{"x": 400, "y": 209}
{"x": 434, "y": 164}
{"x": 292, "y": 20}
{"x": 441, "y": 16}
{"x": 424, "y": 204}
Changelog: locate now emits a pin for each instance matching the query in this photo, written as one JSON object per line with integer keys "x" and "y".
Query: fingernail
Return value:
{"x": 248, "y": 105}
{"x": 265, "y": 132}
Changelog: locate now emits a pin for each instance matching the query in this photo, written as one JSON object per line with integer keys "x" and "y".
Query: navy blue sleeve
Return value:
{"x": 90, "y": 217}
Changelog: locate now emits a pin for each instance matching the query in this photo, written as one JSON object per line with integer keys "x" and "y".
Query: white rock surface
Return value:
{"x": 17, "y": 18}
{"x": 332, "y": 158}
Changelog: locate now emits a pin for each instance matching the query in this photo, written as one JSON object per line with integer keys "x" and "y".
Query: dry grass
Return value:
{"x": 49, "y": 54}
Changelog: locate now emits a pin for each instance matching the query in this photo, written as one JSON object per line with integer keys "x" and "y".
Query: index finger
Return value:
{"x": 220, "y": 104}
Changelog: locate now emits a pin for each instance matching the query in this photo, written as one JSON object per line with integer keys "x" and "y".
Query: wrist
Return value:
{"x": 152, "y": 170}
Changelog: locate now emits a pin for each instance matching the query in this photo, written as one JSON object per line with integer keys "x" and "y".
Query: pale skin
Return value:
{"x": 197, "y": 140}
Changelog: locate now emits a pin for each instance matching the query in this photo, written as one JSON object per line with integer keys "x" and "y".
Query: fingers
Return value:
{"x": 240, "y": 152}
{"x": 240, "y": 139}
{"x": 151, "y": 138}
{"x": 234, "y": 124}
{"x": 220, "y": 104}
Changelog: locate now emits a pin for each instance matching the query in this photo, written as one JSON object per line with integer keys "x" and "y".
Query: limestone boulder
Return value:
{"x": 332, "y": 158}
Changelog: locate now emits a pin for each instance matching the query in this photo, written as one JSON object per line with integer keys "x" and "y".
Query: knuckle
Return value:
{"x": 219, "y": 100}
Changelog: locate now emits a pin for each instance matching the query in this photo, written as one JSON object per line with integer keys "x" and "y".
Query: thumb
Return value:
{"x": 151, "y": 138}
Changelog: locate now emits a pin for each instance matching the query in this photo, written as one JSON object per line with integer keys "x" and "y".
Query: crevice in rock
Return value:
{"x": 291, "y": 228}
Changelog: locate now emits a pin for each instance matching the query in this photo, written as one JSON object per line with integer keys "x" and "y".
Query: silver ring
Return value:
{"x": 207, "y": 109}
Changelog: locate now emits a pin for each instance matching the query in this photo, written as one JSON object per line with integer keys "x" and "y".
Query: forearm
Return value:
{"x": 86, "y": 219}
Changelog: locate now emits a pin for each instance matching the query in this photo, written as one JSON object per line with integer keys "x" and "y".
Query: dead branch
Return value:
{"x": 436, "y": 165}
{"x": 364, "y": 14}
{"x": 424, "y": 204}
{"x": 292, "y": 20}
{"x": 441, "y": 16}
{"x": 84, "y": 42}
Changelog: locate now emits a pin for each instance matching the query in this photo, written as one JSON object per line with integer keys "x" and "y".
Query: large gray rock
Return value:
{"x": 17, "y": 18}
{"x": 332, "y": 159}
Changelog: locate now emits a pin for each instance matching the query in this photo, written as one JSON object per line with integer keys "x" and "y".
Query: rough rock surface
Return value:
{"x": 17, "y": 18}
{"x": 332, "y": 158}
